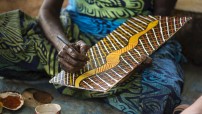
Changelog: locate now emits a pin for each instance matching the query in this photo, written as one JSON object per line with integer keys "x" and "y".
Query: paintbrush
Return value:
{"x": 62, "y": 40}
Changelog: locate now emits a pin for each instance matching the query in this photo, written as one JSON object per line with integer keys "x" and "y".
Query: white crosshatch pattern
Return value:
{"x": 147, "y": 44}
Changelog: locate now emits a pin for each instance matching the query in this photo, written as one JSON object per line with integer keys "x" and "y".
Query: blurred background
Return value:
{"x": 31, "y": 7}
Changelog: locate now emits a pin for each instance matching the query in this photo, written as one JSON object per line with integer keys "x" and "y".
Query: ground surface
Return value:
{"x": 69, "y": 105}
{"x": 193, "y": 83}
{"x": 30, "y": 7}
{"x": 189, "y": 5}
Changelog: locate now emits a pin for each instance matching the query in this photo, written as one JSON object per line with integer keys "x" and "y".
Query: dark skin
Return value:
{"x": 72, "y": 57}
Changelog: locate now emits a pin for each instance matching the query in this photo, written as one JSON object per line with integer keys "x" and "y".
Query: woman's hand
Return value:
{"x": 72, "y": 57}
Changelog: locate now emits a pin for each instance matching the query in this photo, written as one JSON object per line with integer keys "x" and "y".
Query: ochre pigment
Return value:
{"x": 11, "y": 102}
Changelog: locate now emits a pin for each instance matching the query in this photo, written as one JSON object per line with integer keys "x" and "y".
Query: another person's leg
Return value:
{"x": 195, "y": 108}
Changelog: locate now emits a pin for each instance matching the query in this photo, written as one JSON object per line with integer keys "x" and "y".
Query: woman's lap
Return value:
{"x": 156, "y": 89}
{"x": 24, "y": 48}
{"x": 160, "y": 85}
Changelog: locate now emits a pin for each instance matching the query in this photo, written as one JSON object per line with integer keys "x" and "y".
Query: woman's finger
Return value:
{"x": 70, "y": 60}
{"x": 75, "y": 54}
{"x": 68, "y": 67}
{"x": 83, "y": 47}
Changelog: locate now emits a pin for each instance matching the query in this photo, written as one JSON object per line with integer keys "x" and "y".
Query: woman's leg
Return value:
{"x": 159, "y": 90}
{"x": 23, "y": 47}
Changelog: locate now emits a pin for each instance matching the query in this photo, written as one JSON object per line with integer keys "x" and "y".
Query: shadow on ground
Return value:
{"x": 69, "y": 105}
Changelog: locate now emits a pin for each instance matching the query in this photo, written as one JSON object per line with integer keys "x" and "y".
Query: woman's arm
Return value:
{"x": 71, "y": 56}
{"x": 164, "y": 7}
{"x": 50, "y": 21}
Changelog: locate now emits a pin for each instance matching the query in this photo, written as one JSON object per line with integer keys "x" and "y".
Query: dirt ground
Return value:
{"x": 31, "y": 7}
{"x": 190, "y": 5}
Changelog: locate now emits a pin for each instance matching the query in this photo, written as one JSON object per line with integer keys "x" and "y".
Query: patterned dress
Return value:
{"x": 25, "y": 53}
